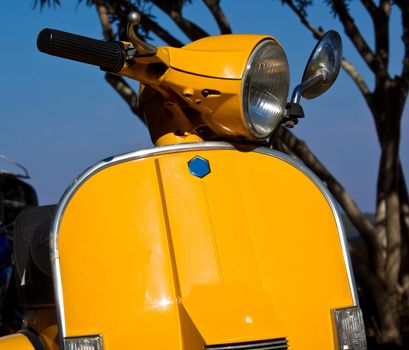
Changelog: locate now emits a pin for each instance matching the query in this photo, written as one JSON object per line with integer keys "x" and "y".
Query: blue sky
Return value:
{"x": 59, "y": 117}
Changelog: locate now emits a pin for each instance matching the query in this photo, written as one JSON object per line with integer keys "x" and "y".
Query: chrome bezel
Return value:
{"x": 244, "y": 93}
{"x": 339, "y": 330}
{"x": 95, "y": 339}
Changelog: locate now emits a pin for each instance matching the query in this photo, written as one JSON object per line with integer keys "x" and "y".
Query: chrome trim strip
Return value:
{"x": 55, "y": 258}
{"x": 278, "y": 344}
{"x": 59, "y": 301}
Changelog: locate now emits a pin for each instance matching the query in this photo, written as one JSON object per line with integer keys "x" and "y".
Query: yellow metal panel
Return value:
{"x": 172, "y": 139}
{"x": 249, "y": 252}
{"x": 227, "y": 42}
{"x": 15, "y": 342}
{"x": 207, "y": 56}
{"x": 174, "y": 101}
{"x": 115, "y": 262}
{"x": 298, "y": 250}
{"x": 221, "y": 112}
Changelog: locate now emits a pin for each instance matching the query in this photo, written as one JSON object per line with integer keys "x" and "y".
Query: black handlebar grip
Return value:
{"x": 109, "y": 55}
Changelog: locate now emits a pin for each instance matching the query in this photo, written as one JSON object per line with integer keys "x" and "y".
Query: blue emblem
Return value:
{"x": 199, "y": 166}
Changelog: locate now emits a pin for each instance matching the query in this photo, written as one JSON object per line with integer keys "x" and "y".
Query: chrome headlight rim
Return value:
{"x": 245, "y": 90}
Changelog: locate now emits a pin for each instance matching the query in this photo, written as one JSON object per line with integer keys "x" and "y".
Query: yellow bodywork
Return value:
{"x": 174, "y": 80}
{"x": 207, "y": 56}
{"x": 153, "y": 257}
{"x": 15, "y": 342}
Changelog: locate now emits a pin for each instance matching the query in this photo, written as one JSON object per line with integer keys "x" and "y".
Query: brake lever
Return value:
{"x": 141, "y": 48}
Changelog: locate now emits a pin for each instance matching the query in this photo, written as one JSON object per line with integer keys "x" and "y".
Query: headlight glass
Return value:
{"x": 265, "y": 88}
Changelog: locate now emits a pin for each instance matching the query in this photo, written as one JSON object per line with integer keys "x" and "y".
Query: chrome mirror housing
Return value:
{"x": 320, "y": 73}
{"x": 323, "y": 66}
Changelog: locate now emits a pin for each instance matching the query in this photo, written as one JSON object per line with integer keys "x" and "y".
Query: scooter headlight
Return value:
{"x": 265, "y": 88}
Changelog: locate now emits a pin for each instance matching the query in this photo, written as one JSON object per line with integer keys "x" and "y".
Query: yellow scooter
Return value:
{"x": 209, "y": 241}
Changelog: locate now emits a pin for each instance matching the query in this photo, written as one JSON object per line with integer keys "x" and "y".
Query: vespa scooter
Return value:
{"x": 220, "y": 241}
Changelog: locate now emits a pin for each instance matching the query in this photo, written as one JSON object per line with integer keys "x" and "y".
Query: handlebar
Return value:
{"x": 108, "y": 55}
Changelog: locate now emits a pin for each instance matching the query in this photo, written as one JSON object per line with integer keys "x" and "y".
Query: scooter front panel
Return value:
{"x": 115, "y": 262}
{"x": 155, "y": 257}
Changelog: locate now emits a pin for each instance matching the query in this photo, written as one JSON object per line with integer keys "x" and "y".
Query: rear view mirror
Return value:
{"x": 323, "y": 66}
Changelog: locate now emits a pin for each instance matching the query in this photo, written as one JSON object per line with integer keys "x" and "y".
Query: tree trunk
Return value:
{"x": 389, "y": 212}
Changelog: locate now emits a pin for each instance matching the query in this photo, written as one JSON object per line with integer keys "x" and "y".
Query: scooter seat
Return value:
{"x": 32, "y": 257}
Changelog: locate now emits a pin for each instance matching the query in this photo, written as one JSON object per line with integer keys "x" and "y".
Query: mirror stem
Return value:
{"x": 296, "y": 96}
{"x": 299, "y": 89}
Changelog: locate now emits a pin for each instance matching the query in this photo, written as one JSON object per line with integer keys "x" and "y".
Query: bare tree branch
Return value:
{"x": 404, "y": 8}
{"x": 125, "y": 91}
{"x": 355, "y": 36}
{"x": 371, "y": 7}
{"x": 104, "y": 19}
{"x": 404, "y": 202}
{"x": 174, "y": 10}
{"x": 147, "y": 23}
{"x": 359, "y": 81}
{"x": 346, "y": 65}
{"x": 374, "y": 287}
{"x": 117, "y": 82}
{"x": 393, "y": 256}
{"x": 404, "y": 217}
{"x": 388, "y": 183}
{"x": 218, "y": 14}
{"x": 380, "y": 18}
{"x": 380, "y": 229}
{"x": 317, "y": 33}
{"x": 162, "y": 33}
{"x": 381, "y": 25}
